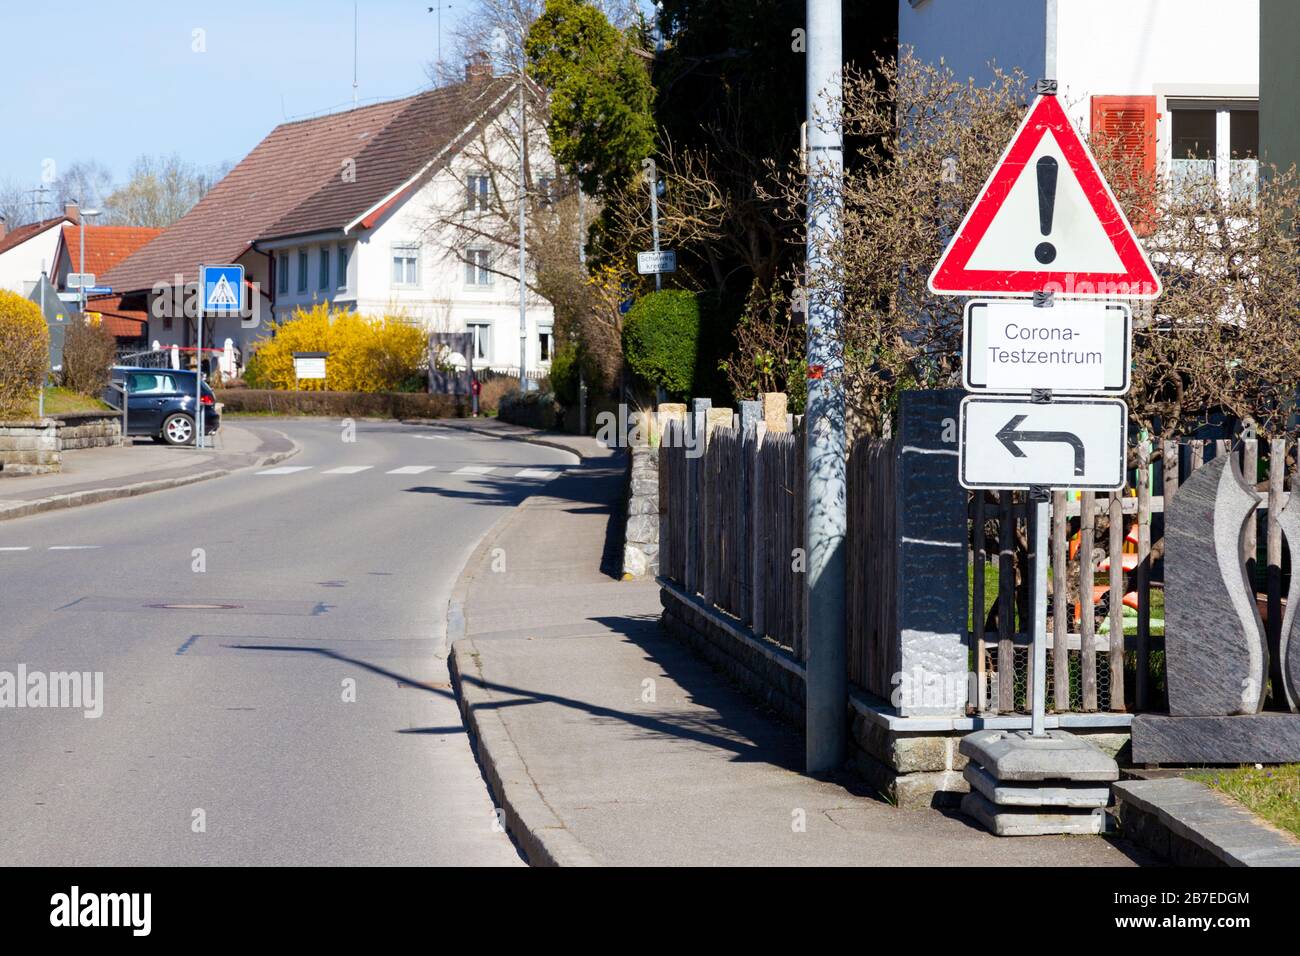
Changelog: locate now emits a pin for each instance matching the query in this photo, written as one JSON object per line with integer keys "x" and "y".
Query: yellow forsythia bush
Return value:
{"x": 366, "y": 354}
{"x": 24, "y": 356}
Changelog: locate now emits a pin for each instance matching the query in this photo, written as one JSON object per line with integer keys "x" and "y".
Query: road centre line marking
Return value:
{"x": 74, "y": 547}
{"x": 23, "y": 548}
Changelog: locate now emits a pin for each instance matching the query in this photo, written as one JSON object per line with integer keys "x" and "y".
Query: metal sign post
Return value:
{"x": 200, "y": 307}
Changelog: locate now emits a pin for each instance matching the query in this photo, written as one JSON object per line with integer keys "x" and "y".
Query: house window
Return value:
{"x": 545, "y": 190}
{"x": 476, "y": 267}
{"x": 406, "y": 264}
{"x": 324, "y": 281}
{"x": 302, "y": 271}
{"x": 342, "y": 281}
{"x": 545, "y": 341}
{"x": 478, "y": 189}
{"x": 282, "y": 273}
{"x": 1215, "y": 144}
{"x": 482, "y": 333}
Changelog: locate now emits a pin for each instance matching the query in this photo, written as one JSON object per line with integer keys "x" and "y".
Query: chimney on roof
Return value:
{"x": 72, "y": 211}
{"x": 478, "y": 68}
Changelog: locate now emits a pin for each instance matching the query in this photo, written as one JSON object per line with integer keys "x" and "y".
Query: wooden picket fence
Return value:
{"x": 1105, "y": 654}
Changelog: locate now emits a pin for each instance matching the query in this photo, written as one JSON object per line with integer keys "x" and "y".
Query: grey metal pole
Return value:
{"x": 81, "y": 284}
{"x": 654, "y": 222}
{"x": 826, "y": 450}
{"x": 198, "y": 363}
{"x": 1042, "y": 520}
{"x": 523, "y": 255}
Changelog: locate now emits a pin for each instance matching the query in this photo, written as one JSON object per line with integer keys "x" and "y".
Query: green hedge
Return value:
{"x": 661, "y": 340}
{"x": 534, "y": 409}
{"x": 340, "y": 404}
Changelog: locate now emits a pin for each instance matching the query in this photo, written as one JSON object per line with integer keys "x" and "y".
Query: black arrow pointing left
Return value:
{"x": 1010, "y": 435}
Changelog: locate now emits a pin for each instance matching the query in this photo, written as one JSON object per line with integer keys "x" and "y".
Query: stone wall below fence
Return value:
{"x": 911, "y": 769}
{"x": 30, "y": 447}
{"x": 641, "y": 538}
{"x": 90, "y": 430}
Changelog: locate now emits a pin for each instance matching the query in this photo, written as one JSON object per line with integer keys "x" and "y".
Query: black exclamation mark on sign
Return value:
{"x": 1045, "y": 252}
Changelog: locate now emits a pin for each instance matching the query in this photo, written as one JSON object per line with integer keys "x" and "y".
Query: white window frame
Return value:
{"x": 483, "y": 277}
{"x": 342, "y": 259}
{"x": 1223, "y": 108}
{"x": 304, "y": 269}
{"x": 478, "y": 200}
{"x": 408, "y": 252}
{"x": 477, "y": 346}
{"x": 282, "y": 273}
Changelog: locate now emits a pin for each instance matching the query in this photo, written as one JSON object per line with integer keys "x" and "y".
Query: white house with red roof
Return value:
{"x": 344, "y": 209}
{"x": 29, "y": 250}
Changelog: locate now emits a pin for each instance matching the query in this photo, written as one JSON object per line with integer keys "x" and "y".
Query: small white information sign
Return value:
{"x": 1075, "y": 346}
{"x": 309, "y": 365}
{"x": 652, "y": 263}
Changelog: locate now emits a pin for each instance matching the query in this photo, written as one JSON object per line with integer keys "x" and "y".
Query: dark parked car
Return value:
{"x": 160, "y": 403}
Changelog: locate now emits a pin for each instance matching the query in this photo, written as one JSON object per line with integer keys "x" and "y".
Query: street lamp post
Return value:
{"x": 83, "y": 215}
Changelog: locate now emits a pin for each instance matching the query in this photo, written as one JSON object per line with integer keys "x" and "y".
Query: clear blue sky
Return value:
{"x": 139, "y": 87}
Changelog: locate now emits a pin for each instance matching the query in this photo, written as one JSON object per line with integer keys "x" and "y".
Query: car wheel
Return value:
{"x": 178, "y": 429}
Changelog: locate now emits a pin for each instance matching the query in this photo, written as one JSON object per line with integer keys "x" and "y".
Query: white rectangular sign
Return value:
{"x": 309, "y": 366}
{"x": 1075, "y": 346}
{"x": 1075, "y": 443}
{"x": 80, "y": 280}
{"x": 651, "y": 263}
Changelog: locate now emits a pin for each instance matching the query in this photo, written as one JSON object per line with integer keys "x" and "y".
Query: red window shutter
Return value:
{"x": 1127, "y": 124}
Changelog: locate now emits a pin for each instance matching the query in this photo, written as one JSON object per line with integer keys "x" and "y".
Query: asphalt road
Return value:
{"x": 304, "y": 716}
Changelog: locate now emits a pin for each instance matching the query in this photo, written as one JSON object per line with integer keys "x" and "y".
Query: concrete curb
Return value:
{"x": 1188, "y": 823}
{"x": 539, "y": 833}
{"x": 96, "y": 495}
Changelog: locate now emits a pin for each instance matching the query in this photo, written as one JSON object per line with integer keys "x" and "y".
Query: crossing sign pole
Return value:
{"x": 201, "y": 306}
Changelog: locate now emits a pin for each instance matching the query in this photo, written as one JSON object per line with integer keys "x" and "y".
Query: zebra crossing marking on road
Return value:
{"x": 543, "y": 473}
{"x": 411, "y": 470}
{"x": 285, "y": 470}
{"x": 475, "y": 470}
{"x": 348, "y": 470}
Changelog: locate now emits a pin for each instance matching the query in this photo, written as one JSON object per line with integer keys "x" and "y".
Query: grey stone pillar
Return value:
{"x": 930, "y": 576}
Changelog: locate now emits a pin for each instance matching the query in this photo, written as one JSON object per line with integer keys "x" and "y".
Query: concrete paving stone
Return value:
{"x": 1015, "y": 755}
{"x": 1036, "y": 794}
{"x": 1018, "y": 821}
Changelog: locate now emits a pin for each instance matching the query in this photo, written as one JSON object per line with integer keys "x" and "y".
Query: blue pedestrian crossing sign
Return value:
{"x": 223, "y": 289}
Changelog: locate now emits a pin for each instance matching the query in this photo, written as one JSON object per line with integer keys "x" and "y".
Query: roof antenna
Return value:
{"x": 354, "y": 54}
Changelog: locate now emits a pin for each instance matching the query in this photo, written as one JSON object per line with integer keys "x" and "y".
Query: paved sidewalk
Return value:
{"x": 607, "y": 742}
{"x": 100, "y": 474}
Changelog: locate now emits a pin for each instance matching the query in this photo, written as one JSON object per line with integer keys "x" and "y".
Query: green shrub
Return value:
{"x": 24, "y": 355}
{"x": 340, "y": 404}
{"x": 534, "y": 409}
{"x": 89, "y": 350}
{"x": 661, "y": 339}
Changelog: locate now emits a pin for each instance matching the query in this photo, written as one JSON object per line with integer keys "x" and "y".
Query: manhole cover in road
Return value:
{"x": 195, "y": 607}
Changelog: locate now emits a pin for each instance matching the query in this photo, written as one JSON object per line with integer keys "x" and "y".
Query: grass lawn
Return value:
{"x": 62, "y": 401}
{"x": 1272, "y": 793}
{"x": 1130, "y": 615}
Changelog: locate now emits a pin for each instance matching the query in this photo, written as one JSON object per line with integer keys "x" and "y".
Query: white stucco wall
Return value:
{"x": 1162, "y": 48}
{"x": 442, "y": 301}
{"x": 22, "y": 265}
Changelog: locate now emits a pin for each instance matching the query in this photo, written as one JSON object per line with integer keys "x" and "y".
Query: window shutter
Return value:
{"x": 1127, "y": 124}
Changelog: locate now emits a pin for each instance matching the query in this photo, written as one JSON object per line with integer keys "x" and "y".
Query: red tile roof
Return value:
{"x": 123, "y": 323}
{"x": 20, "y": 234}
{"x": 292, "y": 182}
{"x": 106, "y": 246}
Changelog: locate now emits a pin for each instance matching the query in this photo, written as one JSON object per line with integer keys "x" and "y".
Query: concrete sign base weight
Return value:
{"x": 1024, "y": 785}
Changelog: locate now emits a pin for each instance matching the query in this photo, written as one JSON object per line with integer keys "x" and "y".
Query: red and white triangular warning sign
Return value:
{"x": 1046, "y": 221}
